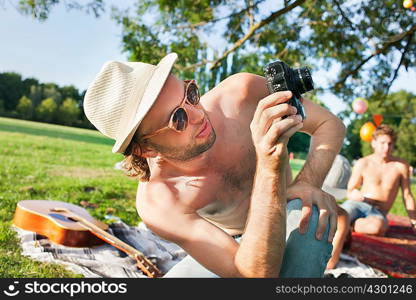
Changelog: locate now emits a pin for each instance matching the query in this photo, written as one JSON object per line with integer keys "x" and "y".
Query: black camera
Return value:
{"x": 281, "y": 77}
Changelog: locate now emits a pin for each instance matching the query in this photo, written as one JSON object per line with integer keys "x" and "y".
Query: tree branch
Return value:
{"x": 193, "y": 26}
{"x": 253, "y": 29}
{"x": 396, "y": 71}
{"x": 392, "y": 41}
{"x": 344, "y": 16}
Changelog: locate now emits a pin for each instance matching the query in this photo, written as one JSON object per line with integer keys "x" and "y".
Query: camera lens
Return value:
{"x": 304, "y": 80}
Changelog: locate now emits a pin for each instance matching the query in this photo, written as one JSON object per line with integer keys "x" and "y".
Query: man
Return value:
{"x": 374, "y": 184}
{"x": 216, "y": 167}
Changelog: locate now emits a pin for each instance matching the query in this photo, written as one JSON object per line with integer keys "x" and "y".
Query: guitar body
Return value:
{"x": 39, "y": 216}
{"x": 70, "y": 225}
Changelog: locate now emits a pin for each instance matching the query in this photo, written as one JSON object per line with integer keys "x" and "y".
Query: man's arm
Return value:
{"x": 408, "y": 198}
{"x": 355, "y": 181}
{"x": 327, "y": 133}
{"x": 261, "y": 250}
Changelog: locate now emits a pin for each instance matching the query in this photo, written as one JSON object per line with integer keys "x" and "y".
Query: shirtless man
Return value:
{"x": 380, "y": 175}
{"x": 215, "y": 169}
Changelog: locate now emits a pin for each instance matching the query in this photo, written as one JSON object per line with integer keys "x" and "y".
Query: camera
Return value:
{"x": 281, "y": 77}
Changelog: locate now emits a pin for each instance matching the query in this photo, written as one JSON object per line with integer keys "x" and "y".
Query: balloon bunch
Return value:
{"x": 409, "y": 4}
{"x": 360, "y": 106}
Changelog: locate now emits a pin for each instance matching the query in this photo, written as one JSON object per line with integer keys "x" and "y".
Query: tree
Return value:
{"x": 364, "y": 43}
{"x": 68, "y": 112}
{"x": 11, "y": 89}
{"x": 46, "y": 110}
{"x": 25, "y": 108}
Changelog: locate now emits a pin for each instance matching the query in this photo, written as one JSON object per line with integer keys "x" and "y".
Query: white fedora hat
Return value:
{"x": 122, "y": 94}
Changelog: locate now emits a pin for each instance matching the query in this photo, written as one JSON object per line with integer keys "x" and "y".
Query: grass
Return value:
{"x": 44, "y": 161}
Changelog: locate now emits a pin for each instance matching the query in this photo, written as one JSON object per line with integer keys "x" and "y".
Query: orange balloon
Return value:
{"x": 366, "y": 131}
{"x": 378, "y": 119}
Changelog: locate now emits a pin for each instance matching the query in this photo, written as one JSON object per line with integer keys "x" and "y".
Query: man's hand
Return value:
{"x": 326, "y": 203}
{"x": 271, "y": 131}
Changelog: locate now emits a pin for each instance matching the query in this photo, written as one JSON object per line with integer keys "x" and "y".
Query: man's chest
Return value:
{"x": 383, "y": 176}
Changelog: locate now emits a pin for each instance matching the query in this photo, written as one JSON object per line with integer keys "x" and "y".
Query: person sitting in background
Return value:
{"x": 374, "y": 184}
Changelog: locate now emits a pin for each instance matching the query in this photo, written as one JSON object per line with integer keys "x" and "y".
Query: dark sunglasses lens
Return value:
{"x": 193, "y": 94}
{"x": 180, "y": 119}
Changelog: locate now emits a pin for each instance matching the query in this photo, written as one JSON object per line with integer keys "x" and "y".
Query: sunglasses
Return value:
{"x": 178, "y": 120}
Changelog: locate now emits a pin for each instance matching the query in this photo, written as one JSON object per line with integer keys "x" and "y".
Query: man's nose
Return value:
{"x": 195, "y": 114}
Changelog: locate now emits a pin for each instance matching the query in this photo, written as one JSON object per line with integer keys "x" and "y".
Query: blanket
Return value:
{"x": 107, "y": 261}
{"x": 394, "y": 253}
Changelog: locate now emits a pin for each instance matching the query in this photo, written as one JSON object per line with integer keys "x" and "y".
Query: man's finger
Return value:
{"x": 333, "y": 219}
{"x": 304, "y": 220}
{"x": 322, "y": 223}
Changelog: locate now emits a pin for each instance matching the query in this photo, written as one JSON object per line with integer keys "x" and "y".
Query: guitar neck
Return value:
{"x": 145, "y": 265}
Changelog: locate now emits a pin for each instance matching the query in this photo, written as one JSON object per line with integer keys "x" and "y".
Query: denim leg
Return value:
{"x": 304, "y": 255}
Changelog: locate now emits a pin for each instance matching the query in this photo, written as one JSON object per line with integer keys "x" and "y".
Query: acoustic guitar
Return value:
{"x": 70, "y": 225}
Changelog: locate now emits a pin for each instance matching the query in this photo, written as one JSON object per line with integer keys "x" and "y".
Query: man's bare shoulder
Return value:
{"x": 401, "y": 164}
{"x": 245, "y": 84}
{"x": 155, "y": 197}
{"x": 363, "y": 161}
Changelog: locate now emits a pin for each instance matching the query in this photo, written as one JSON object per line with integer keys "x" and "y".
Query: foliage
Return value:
{"x": 364, "y": 39}
{"x": 25, "y": 108}
{"x": 69, "y": 112}
{"x": 40, "y": 9}
{"x": 46, "y": 110}
{"x": 355, "y": 40}
{"x": 22, "y": 98}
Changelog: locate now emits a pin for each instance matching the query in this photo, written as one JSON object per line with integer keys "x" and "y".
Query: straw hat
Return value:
{"x": 121, "y": 95}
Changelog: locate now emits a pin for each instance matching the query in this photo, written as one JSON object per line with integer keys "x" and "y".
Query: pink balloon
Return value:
{"x": 360, "y": 105}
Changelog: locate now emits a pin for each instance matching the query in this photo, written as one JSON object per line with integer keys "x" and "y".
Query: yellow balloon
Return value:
{"x": 407, "y": 3}
{"x": 366, "y": 131}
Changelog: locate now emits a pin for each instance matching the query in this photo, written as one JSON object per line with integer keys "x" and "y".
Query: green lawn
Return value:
{"x": 44, "y": 161}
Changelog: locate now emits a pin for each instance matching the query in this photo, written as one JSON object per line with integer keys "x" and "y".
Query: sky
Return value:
{"x": 70, "y": 47}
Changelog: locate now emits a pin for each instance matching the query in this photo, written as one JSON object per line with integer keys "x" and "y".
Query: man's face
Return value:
{"x": 383, "y": 145}
{"x": 183, "y": 145}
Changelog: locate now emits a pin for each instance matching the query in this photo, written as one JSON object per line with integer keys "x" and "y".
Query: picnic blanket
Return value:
{"x": 108, "y": 261}
{"x": 394, "y": 254}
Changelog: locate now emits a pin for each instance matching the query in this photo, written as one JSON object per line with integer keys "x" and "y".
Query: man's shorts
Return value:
{"x": 358, "y": 209}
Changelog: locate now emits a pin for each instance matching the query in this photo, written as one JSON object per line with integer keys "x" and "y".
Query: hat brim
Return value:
{"x": 152, "y": 91}
{"x": 338, "y": 193}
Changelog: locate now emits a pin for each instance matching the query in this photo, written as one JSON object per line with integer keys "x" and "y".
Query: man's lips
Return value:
{"x": 204, "y": 126}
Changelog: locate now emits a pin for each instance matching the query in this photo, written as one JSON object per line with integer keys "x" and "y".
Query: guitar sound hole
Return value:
{"x": 62, "y": 217}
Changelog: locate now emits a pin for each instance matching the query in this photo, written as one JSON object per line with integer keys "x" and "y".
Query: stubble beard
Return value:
{"x": 186, "y": 153}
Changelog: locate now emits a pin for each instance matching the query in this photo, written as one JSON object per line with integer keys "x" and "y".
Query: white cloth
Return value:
{"x": 349, "y": 266}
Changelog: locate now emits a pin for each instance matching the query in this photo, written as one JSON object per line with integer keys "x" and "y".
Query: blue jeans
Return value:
{"x": 304, "y": 255}
{"x": 358, "y": 209}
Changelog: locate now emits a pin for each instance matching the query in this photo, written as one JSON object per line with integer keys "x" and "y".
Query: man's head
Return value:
{"x": 183, "y": 140}
{"x": 383, "y": 141}
{"x": 131, "y": 102}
